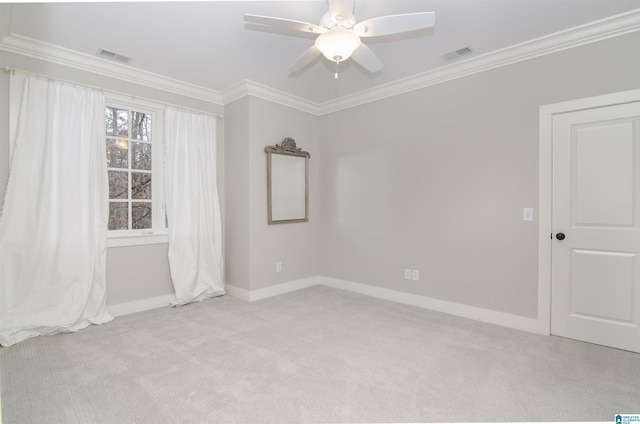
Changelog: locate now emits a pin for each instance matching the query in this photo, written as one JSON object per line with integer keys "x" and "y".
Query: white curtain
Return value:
{"x": 54, "y": 219}
{"x": 193, "y": 211}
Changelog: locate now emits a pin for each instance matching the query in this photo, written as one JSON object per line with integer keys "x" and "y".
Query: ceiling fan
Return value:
{"x": 339, "y": 34}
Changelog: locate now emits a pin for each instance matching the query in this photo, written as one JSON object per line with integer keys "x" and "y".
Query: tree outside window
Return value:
{"x": 129, "y": 164}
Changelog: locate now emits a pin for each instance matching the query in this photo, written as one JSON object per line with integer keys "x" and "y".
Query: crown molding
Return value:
{"x": 62, "y": 56}
{"x": 592, "y": 32}
{"x": 254, "y": 89}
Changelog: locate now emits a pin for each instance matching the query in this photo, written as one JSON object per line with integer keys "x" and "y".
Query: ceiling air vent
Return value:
{"x": 106, "y": 54}
{"x": 457, "y": 54}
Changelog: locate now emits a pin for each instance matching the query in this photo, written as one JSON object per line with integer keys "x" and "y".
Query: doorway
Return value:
{"x": 589, "y": 234}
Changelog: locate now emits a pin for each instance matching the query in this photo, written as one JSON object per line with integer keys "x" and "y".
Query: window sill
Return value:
{"x": 136, "y": 239}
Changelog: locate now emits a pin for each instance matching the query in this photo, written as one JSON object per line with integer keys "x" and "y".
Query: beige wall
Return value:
{"x": 137, "y": 272}
{"x": 253, "y": 246}
{"x": 433, "y": 180}
{"x": 436, "y": 179}
{"x": 237, "y": 205}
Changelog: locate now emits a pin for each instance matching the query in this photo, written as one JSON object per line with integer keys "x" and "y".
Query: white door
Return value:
{"x": 595, "y": 287}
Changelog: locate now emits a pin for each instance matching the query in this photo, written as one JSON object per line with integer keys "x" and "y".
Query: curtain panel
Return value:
{"x": 193, "y": 210}
{"x": 54, "y": 219}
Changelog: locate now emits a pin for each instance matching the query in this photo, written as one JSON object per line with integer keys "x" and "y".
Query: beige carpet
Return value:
{"x": 316, "y": 355}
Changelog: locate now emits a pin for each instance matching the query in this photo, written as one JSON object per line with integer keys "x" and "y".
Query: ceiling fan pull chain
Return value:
{"x": 336, "y": 78}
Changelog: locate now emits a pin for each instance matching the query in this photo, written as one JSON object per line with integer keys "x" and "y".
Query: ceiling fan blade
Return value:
{"x": 285, "y": 24}
{"x": 367, "y": 59}
{"x": 343, "y": 8}
{"x": 304, "y": 59}
{"x": 395, "y": 24}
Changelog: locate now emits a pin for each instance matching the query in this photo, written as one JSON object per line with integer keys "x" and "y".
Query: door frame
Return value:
{"x": 545, "y": 189}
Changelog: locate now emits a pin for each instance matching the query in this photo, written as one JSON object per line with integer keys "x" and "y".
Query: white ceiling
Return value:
{"x": 209, "y": 44}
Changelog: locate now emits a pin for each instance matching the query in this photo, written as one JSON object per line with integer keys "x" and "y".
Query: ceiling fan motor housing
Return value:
{"x": 337, "y": 21}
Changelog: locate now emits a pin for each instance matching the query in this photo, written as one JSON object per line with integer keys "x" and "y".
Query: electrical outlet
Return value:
{"x": 407, "y": 274}
{"x": 278, "y": 266}
{"x": 415, "y": 275}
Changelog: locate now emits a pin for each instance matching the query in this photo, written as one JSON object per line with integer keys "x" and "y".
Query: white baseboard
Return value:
{"x": 141, "y": 305}
{"x": 471, "y": 312}
{"x": 478, "y": 314}
{"x": 237, "y": 292}
{"x": 254, "y": 295}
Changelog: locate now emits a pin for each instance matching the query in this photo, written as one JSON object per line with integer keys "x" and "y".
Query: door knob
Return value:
{"x": 560, "y": 236}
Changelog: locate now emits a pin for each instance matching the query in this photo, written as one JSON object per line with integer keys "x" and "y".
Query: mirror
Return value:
{"x": 287, "y": 183}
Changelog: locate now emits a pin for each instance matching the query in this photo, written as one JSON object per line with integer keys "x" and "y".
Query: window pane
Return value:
{"x": 117, "y": 153}
{"x": 118, "y": 216}
{"x": 117, "y": 122}
{"x": 141, "y": 156}
{"x": 140, "y": 185}
{"x": 108, "y": 121}
{"x": 129, "y": 157}
{"x": 123, "y": 123}
{"x": 118, "y": 185}
{"x": 140, "y": 126}
{"x": 140, "y": 215}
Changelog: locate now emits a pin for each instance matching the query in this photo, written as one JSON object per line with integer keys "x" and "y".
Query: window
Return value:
{"x": 135, "y": 163}
{"x": 133, "y": 151}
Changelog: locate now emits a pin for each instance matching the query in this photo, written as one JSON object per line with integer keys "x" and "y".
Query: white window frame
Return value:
{"x": 158, "y": 233}
{"x": 129, "y": 237}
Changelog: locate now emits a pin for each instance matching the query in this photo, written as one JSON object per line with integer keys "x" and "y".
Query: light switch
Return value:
{"x": 527, "y": 214}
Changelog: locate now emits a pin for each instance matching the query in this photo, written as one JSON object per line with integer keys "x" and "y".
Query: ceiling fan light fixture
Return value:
{"x": 339, "y": 35}
{"x": 338, "y": 44}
